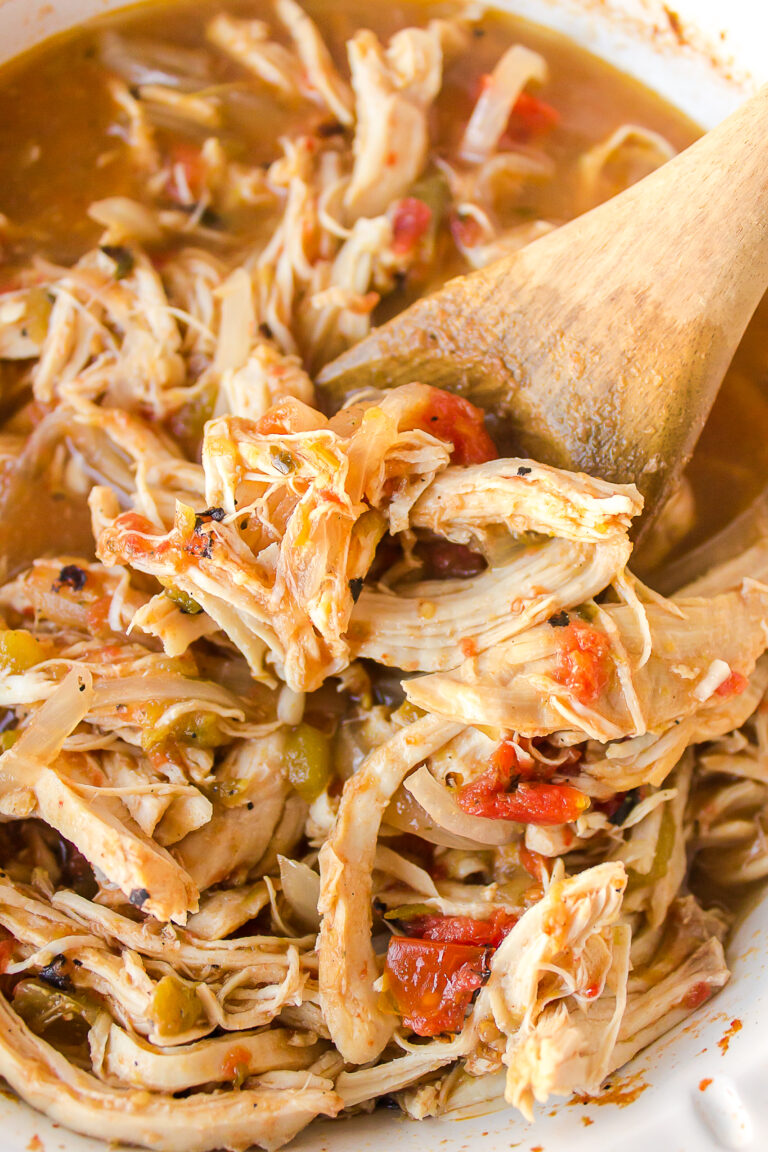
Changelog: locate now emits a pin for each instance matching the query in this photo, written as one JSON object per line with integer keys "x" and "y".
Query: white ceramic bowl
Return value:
{"x": 703, "y": 1086}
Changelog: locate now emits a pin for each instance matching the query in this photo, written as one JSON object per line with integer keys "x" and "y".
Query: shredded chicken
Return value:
{"x": 340, "y": 758}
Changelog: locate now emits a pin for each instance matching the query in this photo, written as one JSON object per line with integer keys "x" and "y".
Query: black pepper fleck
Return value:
{"x": 626, "y": 806}
{"x": 216, "y": 514}
{"x": 138, "y": 897}
{"x": 54, "y": 975}
{"x": 559, "y": 620}
{"x": 523, "y": 471}
{"x": 70, "y": 576}
{"x": 356, "y": 587}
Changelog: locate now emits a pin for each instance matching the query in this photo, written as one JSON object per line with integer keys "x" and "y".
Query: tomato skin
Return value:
{"x": 188, "y": 158}
{"x": 583, "y": 661}
{"x": 412, "y": 218}
{"x": 464, "y": 929}
{"x": 453, "y": 418}
{"x": 432, "y": 982}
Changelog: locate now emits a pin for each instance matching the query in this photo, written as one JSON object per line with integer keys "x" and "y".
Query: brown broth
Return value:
{"x": 59, "y": 151}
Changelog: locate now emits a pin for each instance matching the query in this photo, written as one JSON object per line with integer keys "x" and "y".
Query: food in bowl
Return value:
{"x": 344, "y": 757}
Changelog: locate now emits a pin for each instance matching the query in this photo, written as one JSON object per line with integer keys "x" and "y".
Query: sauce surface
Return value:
{"x": 60, "y": 154}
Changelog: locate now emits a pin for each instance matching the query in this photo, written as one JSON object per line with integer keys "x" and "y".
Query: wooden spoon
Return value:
{"x": 603, "y": 344}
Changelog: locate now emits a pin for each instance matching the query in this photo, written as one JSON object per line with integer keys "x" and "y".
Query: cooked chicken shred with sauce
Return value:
{"x": 342, "y": 755}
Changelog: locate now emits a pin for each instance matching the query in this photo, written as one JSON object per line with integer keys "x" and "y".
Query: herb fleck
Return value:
{"x": 121, "y": 257}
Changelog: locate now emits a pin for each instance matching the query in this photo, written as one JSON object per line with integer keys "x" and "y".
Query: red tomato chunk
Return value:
{"x": 583, "y": 663}
{"x": 454, "y": 419}
{"x": 532, "y": 117}
{"x": 411, "y": 220}
{"x": 531, "y": 802}
{"x": 464, "y": 929}
{"x": 432, "y": 983}
{"x": 733, "y": 685}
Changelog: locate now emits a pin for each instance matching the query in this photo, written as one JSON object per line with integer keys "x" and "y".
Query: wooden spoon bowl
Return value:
{"x": 603, "y": 344}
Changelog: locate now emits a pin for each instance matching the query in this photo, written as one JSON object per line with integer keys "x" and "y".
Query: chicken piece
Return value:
{"x": 24, "y": 318}
{"x": 134, "y": 1062}
{"x": 591, "y": 678}
{"x": 265, "y": 378}
{"x": 649, "y": 759}
{"x": 248, "y": 42}
{"x": 358, "y": 1026}
{"x": 364, "y": 1084}
{"x": 564, "y": 956}
{"x": 280, "y": 503}
{"x": 339, "y": 310}
{"x": 525, "y": 496}
{"x": 176, "y": 628}
{"x": 429, "y": 625}
{"x": 652, "y": 1012}
{"x": 320, "y": 73}
{"x": 240, "y": 830}
{"x": 394, "y": 88}
{"x": 164, "y": 811}
{"x": 234, "y": 1119}
{"x": 34, "y": 783}
{"x": 223, "y": 911}
{"x": 113, "y": 340}
{"x": 655, "y": 851}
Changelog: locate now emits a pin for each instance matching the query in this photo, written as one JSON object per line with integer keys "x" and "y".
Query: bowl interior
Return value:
{"x": 702, "y": 1086}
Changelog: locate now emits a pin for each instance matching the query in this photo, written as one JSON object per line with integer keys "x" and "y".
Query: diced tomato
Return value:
{"x": 464, "y": 929}
{"x": 98, "y": 614}
{"x": 733, "y": 685}
{"x": 531, "y": 802}
{"x": 135, "y": 527}
{"x": 454, "y": 419}
{"x": 466, "y": 230}
{"x": 6, "y": 952}
{"x": 583, "y": 661}
{"x": 506, "y": 762}
{"x": 531, "y": 117}
{"x": 236, "y": 1063}
{"x": 432, "y": 982}
{"x": 410, "y": 222}
{"x": 697, "y": 995}
{"x": 186, "y": 158}
{"x": 533, "y": 862}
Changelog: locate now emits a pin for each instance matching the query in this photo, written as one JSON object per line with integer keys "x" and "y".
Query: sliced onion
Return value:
{"x": 237, "y": 324}
{"x": 301, "y": 888}
{"x": 138, "y": 689}
{"x": 42, "y": 740}
{"x": 405, "y": 815}
{"x": 438, "y": 803}
{"x": 405, "y": 870}
{"x": 489, "y": 118}
{"x": 126, "y": 220}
